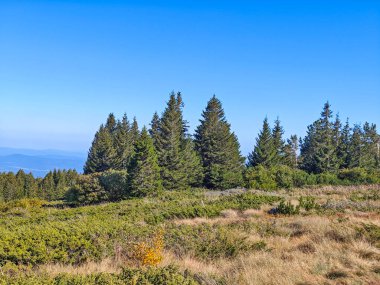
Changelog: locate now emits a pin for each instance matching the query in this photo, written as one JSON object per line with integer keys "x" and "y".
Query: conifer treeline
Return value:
{"x": 124, "y": 161}
{"x": 328, "y": 146}
{"x": 211, "y": 158}
{"x": 22, "y": 185}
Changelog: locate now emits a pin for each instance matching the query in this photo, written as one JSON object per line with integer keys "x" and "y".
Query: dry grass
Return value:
{"x": 324, "y": 253}
{"x": 107, "y": 265}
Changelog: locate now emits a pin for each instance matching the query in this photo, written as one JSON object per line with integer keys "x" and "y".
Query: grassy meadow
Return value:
{"x": 325, "y": 235}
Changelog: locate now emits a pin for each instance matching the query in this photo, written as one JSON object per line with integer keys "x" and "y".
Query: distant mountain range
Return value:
{"x": 39, "y": 162}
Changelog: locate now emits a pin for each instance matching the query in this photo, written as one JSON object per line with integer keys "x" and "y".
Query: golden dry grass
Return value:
{"x": 310, "y": 250}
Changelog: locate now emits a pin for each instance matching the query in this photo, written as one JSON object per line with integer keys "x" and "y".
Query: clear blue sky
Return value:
{"x": 64, "y": 65}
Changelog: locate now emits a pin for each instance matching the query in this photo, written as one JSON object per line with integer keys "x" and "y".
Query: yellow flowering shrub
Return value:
{"x": 149, "y": 253}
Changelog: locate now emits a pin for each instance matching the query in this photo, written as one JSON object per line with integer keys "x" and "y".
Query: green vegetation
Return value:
{"x": 280, "y": 177}
{"x": 21, "y": 185}
{"x": 231, "y": 232}
{"x": 73, "y": 236}
{"x": 147, "y": 276}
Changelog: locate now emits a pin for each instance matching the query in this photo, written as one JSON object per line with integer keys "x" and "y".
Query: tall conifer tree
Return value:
{"x": 318, "y": 150}
{"x": 111, "y": 123}
{"x": 135, "y": 133}
{"x": 278, "y": 142}
{"x": 343, "y": 151}
{"x": 123, "y": 143}
{"x": 370, "y": 146}
{"x": 291, "y": 152}
{"x": 218, "y": 148}
{"x": 264, "y": 152}
{"x": 154, "y": 130}
{"x": 144, "y": 170}
{"x": 102, "y": 153}
{"x": 356, "y": 147}
{"x": 177, "y": 169}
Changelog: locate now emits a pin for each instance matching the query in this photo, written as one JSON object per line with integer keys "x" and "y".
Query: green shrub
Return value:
{"x": 169, "y": 275}
{"x": 287, "y": 208}
{"x": 373, "y": 176}
{"x": 371, "y": 233}
{"x": 308, "y": 203}
{"x": 22, "y": 203}
{"x": 156, "y": 276}
{"x": 283, "y": 176}
{"x": 354, "y": 175}
{"x": 87, "y": 190}
{"x": 372, "y": 194}
{"x": 115, "y": 183}
{"x": 302, "y": 178}
{"x": 327, "y": 179}
{"x": 260, "y": 178}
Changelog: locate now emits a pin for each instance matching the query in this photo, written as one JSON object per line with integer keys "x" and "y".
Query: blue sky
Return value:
{"x": 64, "y": 65}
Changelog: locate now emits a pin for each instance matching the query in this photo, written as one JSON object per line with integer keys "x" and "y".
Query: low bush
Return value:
{"x": 287, "y": 208}
{"x": 115, "y": 183}
{"x": 285, "y": 177}
{"x": 144, "y": 276}
{"x": 87, "y": 190}
{"x": 371, "y": 233}
{"x": 308, "y": 203}
{"x": 328, "y": 178}
{"x": 23, "y": 204}
{"x": 260, "y": 178}
{"x": 354, "y": 175}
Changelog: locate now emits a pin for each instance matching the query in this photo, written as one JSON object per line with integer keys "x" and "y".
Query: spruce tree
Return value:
{"x": 20, "y": 190}
{"x": 278, "y": 143}
{"x": 10, "y": 187}
{"x": 192, "y": 163}
{"x": 356, "y": 147}
{"x": 336, "y": 142}
{"x": 111, "y": 123}
{"x": 178, "y": 171}
{"x": 123, "y": 144}
{"x": 291, "y": 152}
{"x": 102, "y": 153}
{"x": 343, "y": 151}
{"x": 48, "y": 187}
{"x": 154, "y": 130}
{"x": 169, "y": 146}
{"x": 31, "y": 186}
{"x": 319, "y": 150}
{"x": 308, "y": 148}
{"x": 218, "y": 148}
{"x": 264, "y": 153}
{"x": 370, "y": 146}
{"x": 325, "y": 153}
{"x": 144, "y": 170}
{"x": 135, "y": 133}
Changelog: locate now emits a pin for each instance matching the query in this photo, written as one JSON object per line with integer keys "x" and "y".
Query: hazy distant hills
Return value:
{"x": 39, "y": 162}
